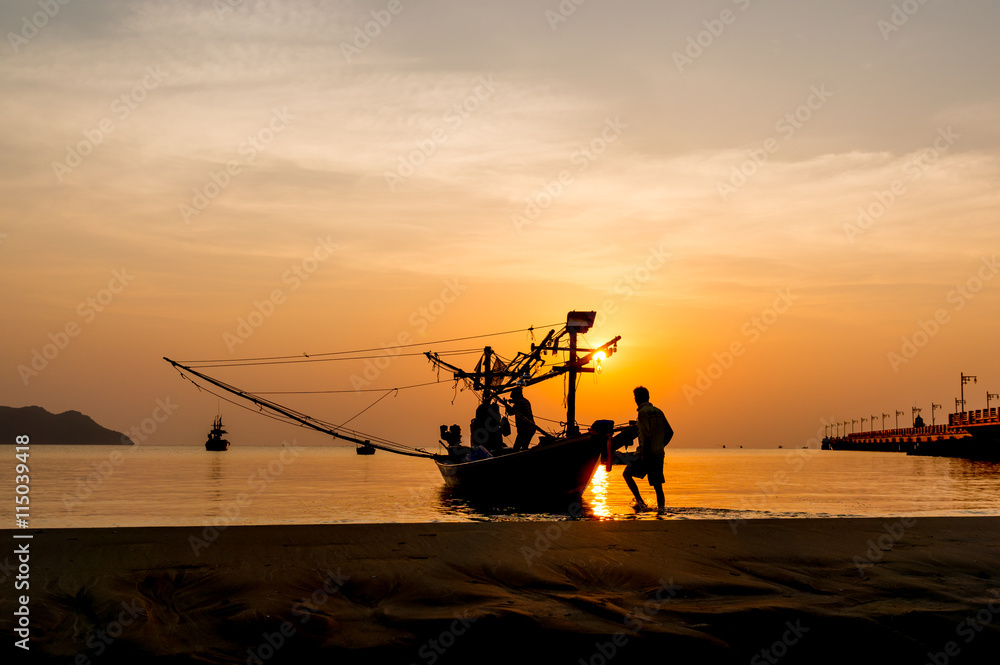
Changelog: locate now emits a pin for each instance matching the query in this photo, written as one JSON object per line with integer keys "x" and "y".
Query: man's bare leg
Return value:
{"x": 635, "y": 492}
{"x": 659, "y": 497}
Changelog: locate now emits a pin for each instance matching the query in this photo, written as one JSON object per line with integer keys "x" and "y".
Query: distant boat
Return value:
{"x": 215, "y": 441}
{"x": 365, "y": 448}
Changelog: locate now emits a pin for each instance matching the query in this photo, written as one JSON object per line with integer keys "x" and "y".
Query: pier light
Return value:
{"x": 863, "y": 421}
{"x": 898, "y": 414}
{"x": 990, "y": 396}
{"x": 853, "y": 423}
{"x": 915, "y": 411}
{"x": 935, "y": 407}
{"x": 872, "y": 421}
{"x": 884, "y": 416}
{"x": 961, "y": 400}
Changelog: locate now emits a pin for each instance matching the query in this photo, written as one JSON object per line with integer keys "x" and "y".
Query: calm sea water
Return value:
{"x": 96, "y": 486}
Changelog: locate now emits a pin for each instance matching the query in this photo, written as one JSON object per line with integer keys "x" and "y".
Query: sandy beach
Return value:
{"x": 849, "y": 590}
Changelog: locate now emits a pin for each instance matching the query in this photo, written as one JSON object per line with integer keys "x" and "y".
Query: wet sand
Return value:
{"x": 811, "y": 590}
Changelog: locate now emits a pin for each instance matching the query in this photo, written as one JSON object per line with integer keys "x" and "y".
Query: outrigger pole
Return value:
{"x": 305, "y": 420}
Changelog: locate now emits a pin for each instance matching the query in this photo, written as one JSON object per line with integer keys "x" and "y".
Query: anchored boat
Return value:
{"x": 559, "y": 467}
{"x": 215, "y": 441}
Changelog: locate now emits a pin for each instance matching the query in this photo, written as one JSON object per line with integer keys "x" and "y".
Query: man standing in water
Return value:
{"x": 654, "y": 435}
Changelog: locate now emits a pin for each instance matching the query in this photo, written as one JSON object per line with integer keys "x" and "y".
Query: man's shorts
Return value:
{"x": 651, "y": 469}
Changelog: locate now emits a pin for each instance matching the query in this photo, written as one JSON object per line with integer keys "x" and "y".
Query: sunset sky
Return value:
{"x": 813, "y": 185}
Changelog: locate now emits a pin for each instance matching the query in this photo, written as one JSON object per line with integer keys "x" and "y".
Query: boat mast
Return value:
{"x": 519, "y": 372}
{"x": 487, "y": 374}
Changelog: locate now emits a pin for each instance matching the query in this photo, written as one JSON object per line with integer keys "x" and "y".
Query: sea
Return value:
{"x": 118, "y": 486}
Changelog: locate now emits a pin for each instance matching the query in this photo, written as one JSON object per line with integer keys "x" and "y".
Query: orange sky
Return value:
{"x": 786, "y": 209}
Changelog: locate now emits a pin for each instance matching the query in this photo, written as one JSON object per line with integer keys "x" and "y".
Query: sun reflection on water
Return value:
{"x": 597, "y": 494}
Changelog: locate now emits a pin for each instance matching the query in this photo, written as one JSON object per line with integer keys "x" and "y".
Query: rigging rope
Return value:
{"x": 359, "y": 390}
{"x": 202, "y": 364}
{"x": 387, "y": 393}
{"x": 379, "y": 348}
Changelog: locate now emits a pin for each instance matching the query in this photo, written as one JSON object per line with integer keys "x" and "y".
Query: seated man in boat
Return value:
{"x": 524, "y": 421}
{"x": 452, "y": 438}
{"x": 486, "y": 428}
{"x": 654, "y": 435}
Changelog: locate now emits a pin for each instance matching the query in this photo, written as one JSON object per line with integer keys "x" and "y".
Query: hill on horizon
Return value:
{"x": 70, "y": 428}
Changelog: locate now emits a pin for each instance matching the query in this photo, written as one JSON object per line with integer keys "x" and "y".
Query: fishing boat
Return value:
{"x": 365, "y": 448}
{"x": 215, "y": 441}
{"x": 558, "y": 468}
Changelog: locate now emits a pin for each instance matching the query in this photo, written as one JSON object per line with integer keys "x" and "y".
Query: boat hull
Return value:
{"x": 560, "y": 470}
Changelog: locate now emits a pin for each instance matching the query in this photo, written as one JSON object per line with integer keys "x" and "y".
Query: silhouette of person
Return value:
{"x": 524, "y": 420}
{"x": 654, "y": 435}
{"x": 486, "y": 428}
